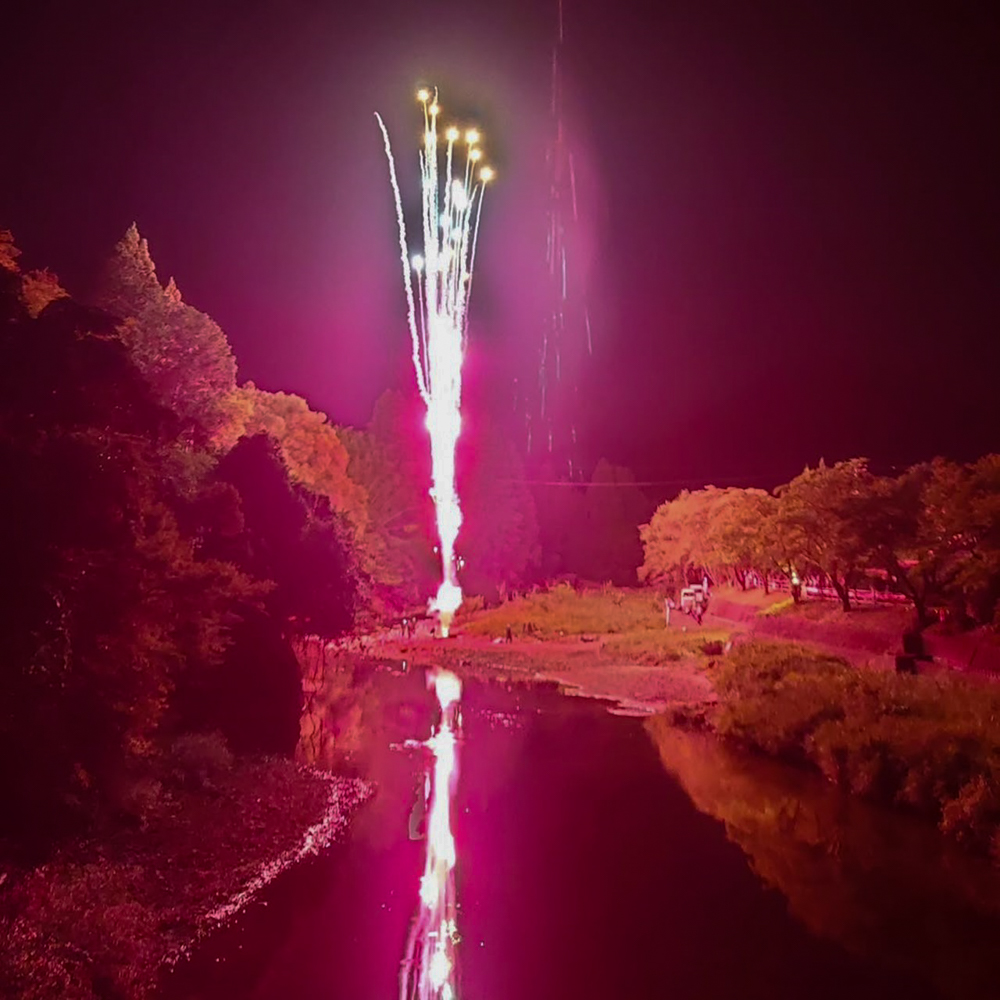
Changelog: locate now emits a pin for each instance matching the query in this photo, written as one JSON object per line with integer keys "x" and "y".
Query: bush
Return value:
{"x": 198, "y": 760}
{"x": 932, "y": 744}
{"x": 973, "y": 816}
{"x": 473, "y": 603}
{"x": 137, "y": 799}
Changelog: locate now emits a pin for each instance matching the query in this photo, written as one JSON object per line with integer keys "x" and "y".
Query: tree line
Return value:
{"x": 932, "y": 533}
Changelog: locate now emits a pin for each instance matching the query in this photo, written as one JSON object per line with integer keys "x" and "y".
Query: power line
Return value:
{"x": 700, "y": 481}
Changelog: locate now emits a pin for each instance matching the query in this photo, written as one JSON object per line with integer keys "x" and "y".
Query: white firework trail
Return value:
{"x": 438, "y": 313}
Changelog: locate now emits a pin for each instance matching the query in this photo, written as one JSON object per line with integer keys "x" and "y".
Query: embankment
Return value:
{"x": 865, "y": 635}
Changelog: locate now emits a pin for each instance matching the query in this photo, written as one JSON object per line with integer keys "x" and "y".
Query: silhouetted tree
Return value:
{"x": 499, "y": 542}
{"x": 388, "y": 459}
{"x": 301, "y": 554}
{"x": 614, "y": 507}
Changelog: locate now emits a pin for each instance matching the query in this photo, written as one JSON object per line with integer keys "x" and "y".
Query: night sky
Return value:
{"x": 793, "y": 207}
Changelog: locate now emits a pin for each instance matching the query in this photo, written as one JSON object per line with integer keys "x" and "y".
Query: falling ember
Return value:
{"x": 438, "y": 314}
{"x": 428, "y": 971}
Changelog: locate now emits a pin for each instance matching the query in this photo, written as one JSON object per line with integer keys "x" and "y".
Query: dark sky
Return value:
{"x": 794, "y": 206}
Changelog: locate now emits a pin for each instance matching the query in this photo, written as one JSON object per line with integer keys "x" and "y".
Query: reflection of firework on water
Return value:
{"x": 429, "y": 966}
{"x": 438, "y": 314}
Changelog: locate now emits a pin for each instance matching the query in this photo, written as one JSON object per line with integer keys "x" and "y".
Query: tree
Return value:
{"x": 300, "y": 552}
{"x": 957, "y": 542}
{"x": 819, "y": 514}
{"x": 673, "y": 539}
{"x": 560, "y": 508}
{"x": 38, "y": 289}
{"x": 388, "y": 460}
{"x": 128, "y": 285}
{"x": 311, "y": 449}
{"x": 976, "y": 534}
{"x": 893, "y": 534}
{"x": 613, "y": 509}
{"x": 498, "y": 542}
{"x": 105, "y": 602}
{"x": 738, "y": 542}
{"x": 181, "y": 351}
{"x": 8, "y": 251}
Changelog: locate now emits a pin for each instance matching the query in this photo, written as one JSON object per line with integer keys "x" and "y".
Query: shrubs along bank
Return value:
{"x": 929, "y": 744}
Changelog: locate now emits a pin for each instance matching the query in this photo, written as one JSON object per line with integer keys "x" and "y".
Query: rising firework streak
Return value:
{"x": 438, "y": 313}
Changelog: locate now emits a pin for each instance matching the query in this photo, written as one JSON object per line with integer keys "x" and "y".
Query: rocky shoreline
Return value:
{"x": 106, "y": 917}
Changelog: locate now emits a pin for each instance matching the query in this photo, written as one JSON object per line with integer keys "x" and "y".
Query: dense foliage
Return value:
{"x": 931, "y": 744}
{"x": 931, "y": 533}
{"x": 152, "y": 583}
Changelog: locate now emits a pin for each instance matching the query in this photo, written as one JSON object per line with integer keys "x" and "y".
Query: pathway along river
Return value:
{"x": 592, "y": 863}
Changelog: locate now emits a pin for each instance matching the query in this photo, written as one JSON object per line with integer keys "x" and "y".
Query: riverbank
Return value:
{"x": 877, "y": 882}
{"x": 609, "y": 644}
{"x": 103, "y": 917}
{"x": 928, "y": 744}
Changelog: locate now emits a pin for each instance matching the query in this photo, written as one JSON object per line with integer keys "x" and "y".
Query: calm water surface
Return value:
{"x": 593, "y": 864}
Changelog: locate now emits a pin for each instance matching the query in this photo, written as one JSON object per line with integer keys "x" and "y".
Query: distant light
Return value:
{"x": 423, "y": 95}
{"x": 452, "y": 134}
{"x": 418, "y": 263}
{"x": 435, "y": 108}
{"x": 472, "y": 136}
{"x": 475, "y": 154}
{"x": 487, "y": 174}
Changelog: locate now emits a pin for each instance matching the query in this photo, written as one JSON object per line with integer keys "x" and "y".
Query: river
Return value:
{"x": 601, "y": 857}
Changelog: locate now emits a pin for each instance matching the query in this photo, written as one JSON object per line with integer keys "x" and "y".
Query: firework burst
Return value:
{"x": 438, "y": 285}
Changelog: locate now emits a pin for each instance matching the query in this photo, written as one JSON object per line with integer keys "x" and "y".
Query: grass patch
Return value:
{"x": 563, "y": 612}
{"x": 928, "y": 743}
{"x": 666, "y": 645}
{"x": 754, "y": 597}
{"x": 866, "y": 617}
{"x": 778, "y": 608}
{"x": 629, "y": 624}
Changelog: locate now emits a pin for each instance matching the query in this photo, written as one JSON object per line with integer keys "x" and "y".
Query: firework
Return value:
{"x": 428, "y": 971}
{"x": 438, "y": 284}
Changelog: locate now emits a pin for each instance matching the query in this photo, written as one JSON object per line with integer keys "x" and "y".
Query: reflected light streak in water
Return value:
{"x": 428, "y": 971}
